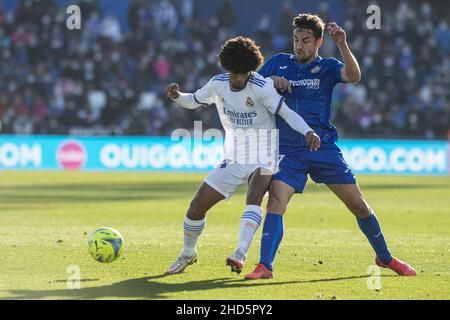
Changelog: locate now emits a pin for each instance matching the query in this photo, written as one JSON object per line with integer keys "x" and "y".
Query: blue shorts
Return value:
{"x": 326, "y": 165}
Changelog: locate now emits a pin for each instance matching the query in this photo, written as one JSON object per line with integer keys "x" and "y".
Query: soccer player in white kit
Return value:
{"x": 247, "y": 104}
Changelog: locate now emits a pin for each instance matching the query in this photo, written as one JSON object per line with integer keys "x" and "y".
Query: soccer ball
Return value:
{"x": 105, "y": 244}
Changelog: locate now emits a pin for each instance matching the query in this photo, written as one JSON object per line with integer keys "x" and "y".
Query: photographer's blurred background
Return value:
{"x": 107, "y": 78}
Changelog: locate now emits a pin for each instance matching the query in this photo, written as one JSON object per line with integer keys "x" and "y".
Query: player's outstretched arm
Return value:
{"x": 296, "y": 122}
{"x": 185, "y": 100}
{"x": 350, "y": 72}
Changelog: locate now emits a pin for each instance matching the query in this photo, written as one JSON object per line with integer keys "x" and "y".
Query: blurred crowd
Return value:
{"x": 108, "y": 77}
{"x": 405, "y": 89}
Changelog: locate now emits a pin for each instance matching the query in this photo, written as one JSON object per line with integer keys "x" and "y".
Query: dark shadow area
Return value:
{"x": 42, "y": 194}
{"x": 82, "y": 280}
{"x": 147, "y": 288}
{"x": 114, "y": 187}
{"x": 344, "y": 278}
{"x": 67, "y": 198}
{"x": 405, "y": 186}
{"x": 65, "y": 193}
{"x": 387, "y": 186}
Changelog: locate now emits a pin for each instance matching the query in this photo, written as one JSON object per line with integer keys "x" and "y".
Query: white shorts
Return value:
{"x": 227, "y": 177}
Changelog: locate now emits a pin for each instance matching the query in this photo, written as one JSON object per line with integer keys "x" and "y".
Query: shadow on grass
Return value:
{"x": 147, "y": 288}
{"x": 343, "y": 278}
{"x": 82, "y": 280}
{"x": 113, "y": 192}
{"x": 113, "y": 187}
{"x": 387, "y": 186}
{"x": 101, "y": 192}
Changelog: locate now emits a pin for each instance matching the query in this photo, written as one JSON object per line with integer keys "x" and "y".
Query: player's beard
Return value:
{"x": 304, "y": 59}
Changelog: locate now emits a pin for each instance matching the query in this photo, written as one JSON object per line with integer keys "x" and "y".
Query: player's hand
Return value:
{"x": 172, "y": 91}
{"x": 281, "y": 84}
{"x": 337, "y": 34}
{"x": 313, "y": 140}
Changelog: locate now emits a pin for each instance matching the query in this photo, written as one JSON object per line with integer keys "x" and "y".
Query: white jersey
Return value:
{"x": 247, "y": 116}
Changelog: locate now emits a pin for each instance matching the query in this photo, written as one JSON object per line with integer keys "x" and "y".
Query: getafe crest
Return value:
{"x": 315, "y": 69}
{"x": 249, "y": 102}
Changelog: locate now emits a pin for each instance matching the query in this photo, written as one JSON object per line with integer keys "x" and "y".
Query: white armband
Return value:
{"x": 294, "y": 120}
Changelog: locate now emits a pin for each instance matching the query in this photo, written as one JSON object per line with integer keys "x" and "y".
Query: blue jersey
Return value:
{"x": 312, "y": 88}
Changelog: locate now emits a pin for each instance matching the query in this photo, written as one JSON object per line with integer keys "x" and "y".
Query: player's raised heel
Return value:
{"x": 181, "y": 264}
{"x": 398, "y": 266}
{"x": 235, "y": 264}
{"x": 236, "y": 261}
{"x": 260, "y": 272}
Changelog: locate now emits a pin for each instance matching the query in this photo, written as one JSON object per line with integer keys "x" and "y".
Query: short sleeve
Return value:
{"x": 270, "y": 97}
{"x": 336, "y": 69}
{"x": 205, "y": 96}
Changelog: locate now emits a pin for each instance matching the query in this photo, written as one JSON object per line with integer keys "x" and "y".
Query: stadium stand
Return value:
{"x": 107, "y": 78}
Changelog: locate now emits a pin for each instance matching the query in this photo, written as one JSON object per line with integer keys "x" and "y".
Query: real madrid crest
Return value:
{"x": 315, "y": 69}
{"x": 249, "y": 102}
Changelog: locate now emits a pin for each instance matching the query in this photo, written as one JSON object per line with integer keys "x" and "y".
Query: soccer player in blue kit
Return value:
{"x": 306, "y": 81}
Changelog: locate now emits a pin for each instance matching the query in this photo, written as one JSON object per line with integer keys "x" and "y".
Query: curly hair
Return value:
{"x": 309, "y": 21}
{"x": 240, "y": 55}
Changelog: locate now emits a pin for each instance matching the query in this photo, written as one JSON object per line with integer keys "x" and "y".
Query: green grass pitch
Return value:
{"x": 45, "y": 219}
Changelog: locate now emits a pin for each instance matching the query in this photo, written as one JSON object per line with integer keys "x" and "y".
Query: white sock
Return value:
{"x": 192, "y": 230}
{"x": 250, "y": 221}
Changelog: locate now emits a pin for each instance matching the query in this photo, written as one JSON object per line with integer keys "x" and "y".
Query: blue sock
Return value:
{"x": 371, "y": 228}
{"x": 271, "y": 237}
